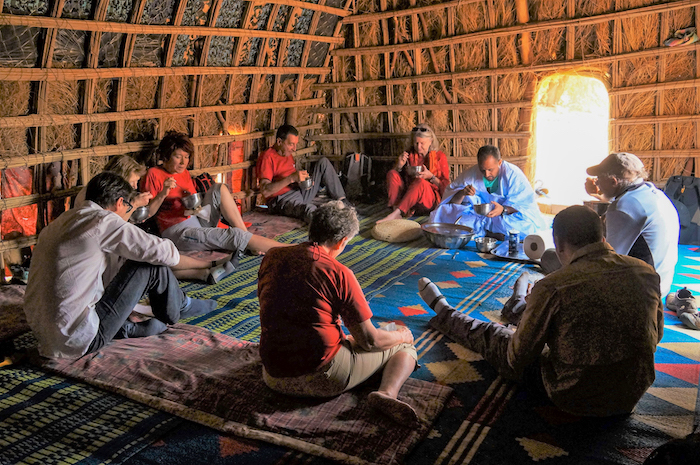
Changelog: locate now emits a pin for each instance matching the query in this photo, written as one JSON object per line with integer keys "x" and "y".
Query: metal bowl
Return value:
{"x": 139, "y": 215}
{"x": 448, "y": 235}
{"x": 306, "y": 184}
{"x": 414, "y": 170}
{"x": 485, "y": 244}
{"x": 483, "y": 208}
{"x": 597, "y": 206}
{"x": 192, "y": 201}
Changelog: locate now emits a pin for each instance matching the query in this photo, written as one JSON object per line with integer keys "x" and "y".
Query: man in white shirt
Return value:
{"x": 67, "y": 305}
{"x": 641, "y": 221}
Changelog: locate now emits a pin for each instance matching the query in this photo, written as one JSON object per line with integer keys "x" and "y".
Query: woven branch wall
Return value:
{"x": 470, "y": 69}
{"x": 83, "y": 80}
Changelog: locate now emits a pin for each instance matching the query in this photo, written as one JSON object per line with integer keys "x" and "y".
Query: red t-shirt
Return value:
{"x": 303, "y": 293}
{"x": 172, "y": 211}
{"x": 273, "y": 167}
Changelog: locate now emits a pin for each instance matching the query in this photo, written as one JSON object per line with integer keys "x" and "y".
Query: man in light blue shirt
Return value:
{"x": 641, "y": 221}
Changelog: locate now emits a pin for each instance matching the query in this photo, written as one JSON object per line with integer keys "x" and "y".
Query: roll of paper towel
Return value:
{"x": 534, "y": 245}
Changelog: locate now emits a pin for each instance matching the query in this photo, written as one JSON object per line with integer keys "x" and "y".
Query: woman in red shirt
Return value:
{"x": 412, "y": 191}
{"x": 197, "y": 230}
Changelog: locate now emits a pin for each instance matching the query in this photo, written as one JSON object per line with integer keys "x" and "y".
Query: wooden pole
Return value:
{"x": 46, "y": 74}
{"x": 579, "y": 64}
{"x": 50, "y": 120}
{"x": 493, "y": 32}
{"x": 153, "y": 29}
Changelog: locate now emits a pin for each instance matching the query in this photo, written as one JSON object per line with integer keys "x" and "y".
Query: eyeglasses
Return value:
{"x": 128, "y": 204}
{"x": 417, "y": 129}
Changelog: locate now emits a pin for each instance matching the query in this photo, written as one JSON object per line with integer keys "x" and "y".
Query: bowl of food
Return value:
{"x": 306, "y": 184}
{"x": 192, "y": 201}
{"x": 483, "y": 209}
{"x": 597, "y": 206}
{"x": 414, "y": 171}
{"x": 448, "y": 235}
{"x": 139, "y": 215}
{"x": 485, "y": 244}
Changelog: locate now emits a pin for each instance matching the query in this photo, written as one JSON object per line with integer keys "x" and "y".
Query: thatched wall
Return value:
{"x": 470, "y": 69}
{"x": 83, "y": 81}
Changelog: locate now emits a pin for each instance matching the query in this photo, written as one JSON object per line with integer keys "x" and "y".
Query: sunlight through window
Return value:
{"x": 571, "y": 134}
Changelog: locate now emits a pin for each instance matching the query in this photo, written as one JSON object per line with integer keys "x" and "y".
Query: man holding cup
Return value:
{"x": 288, "y": 191}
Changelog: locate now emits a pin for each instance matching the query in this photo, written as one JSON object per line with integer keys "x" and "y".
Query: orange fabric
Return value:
{"x": 17, "y": 182}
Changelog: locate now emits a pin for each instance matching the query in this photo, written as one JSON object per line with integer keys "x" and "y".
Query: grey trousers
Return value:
{"x": 490, "y": 340}
{"x": 297, "y": 203}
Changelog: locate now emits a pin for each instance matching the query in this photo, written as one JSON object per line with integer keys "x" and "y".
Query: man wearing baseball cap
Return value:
{"x": 641, "y": 221}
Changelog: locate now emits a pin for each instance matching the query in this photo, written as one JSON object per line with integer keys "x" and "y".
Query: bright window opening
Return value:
{"x": 571, "y": 134}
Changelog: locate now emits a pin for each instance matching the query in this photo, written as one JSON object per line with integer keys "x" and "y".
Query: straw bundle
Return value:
{"x": 305, "y": 114}
{"x": 596, "y": 39}
{"x": 508, "y": 54}
{"x": 436, "y": 24}
{"x": 140, "y": 93}
{"x": 404, "y": 121}
{"x": 101, "y": 104}
{"x": 373, "y": 121}
{"x": 175, "y": 95}
{"x": 469, "y": 17}
{"x": 15, "y": 97}
{"x": 62, "y": 98}
{"x": 505, "y": 13}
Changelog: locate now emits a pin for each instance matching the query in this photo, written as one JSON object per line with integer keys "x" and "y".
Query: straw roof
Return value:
{"x": 83, "y": 81}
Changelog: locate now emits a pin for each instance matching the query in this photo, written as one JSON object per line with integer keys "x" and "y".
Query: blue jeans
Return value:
{"x": 134, "y": 281}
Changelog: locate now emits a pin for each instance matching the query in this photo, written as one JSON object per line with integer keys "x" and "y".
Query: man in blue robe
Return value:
{"x": 496, "y": 181}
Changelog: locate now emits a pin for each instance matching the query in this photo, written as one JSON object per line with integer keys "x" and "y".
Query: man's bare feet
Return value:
{"x": 395, "y": 215}
{"x": 399, "y": 411}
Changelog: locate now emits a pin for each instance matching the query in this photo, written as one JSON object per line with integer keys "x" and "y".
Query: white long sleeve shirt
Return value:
{"x": 65, "y": 277}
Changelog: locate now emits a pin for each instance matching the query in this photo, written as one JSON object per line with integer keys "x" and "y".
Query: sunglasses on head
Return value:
{"x": 417, "y": 129}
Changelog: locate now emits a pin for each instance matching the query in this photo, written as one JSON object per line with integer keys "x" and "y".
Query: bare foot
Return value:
{"x": 399, "y": 411}
{"x": 395, "y": 215}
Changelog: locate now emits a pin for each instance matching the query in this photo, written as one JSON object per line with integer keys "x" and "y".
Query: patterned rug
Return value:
{"x": 216, "y": 380}
{"x": 236, "y": 316}
{"x": 46, "y": 419}
{"x": 489, "y": 420}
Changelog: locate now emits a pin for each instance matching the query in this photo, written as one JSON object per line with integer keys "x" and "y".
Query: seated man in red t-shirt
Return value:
{"x": 171, "y": 181}
{"x": 280, "y": 180}
{"x": 304, "y": 292}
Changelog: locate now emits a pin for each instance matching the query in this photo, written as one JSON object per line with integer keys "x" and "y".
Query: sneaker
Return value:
{"x": 681, "y": 301}
{"x": 691, "y": 320}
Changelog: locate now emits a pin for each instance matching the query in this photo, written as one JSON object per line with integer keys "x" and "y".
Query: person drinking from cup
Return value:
{"x": 288, "y": 191}
{"x": 419, "y": 178}
{"x": 195, "y": 230}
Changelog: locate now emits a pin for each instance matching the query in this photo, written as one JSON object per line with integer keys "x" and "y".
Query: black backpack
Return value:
{"x": 356, "y": 176}
{"x": 684, "y": 192}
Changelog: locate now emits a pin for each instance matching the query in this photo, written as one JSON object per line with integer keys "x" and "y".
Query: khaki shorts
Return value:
{"x": 348, "y": 368}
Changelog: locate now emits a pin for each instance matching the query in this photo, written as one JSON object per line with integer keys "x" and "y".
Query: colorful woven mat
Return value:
{"x": 46, "y": 419}
{"x": 377, "y": 265}
{"x": 489, "y": 420}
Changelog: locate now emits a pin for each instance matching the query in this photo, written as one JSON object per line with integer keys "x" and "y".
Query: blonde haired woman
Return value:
{"x": 418, "y": 190}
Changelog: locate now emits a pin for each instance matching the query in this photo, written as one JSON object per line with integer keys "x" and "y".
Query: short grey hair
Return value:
{"x": 424, "y": 131}
{"x": 333, "y": 221}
